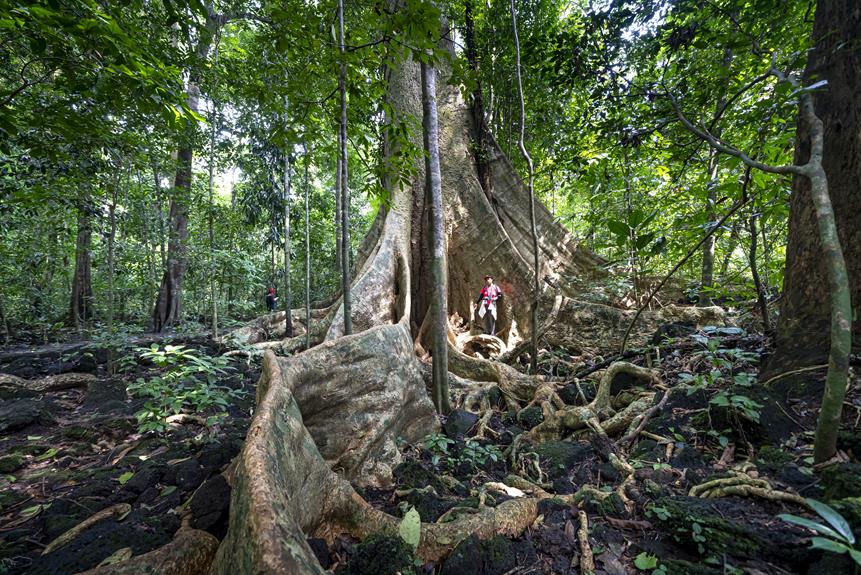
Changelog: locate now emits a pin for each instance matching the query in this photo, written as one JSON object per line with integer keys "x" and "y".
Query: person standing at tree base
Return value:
{"x": 486, "y": 303}
{"x": 271, "y": 300}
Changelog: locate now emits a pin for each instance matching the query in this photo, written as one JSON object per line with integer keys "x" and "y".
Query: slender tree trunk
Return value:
{"x": 112, "y": 216}
{"x": 439, "y": 267}
{"x": 708, "y": 265}
{"x": 730, "y": 249}
{"x": 339, "y": 234}
{"x": 168, "y": 305}
{"x": 707, "y": 271}
{"x": 273, "y": 230}
{"x": 345, "y": 189}
{"x": 82, "y": 287}
{"x": 288, "y": 329}
{"x": 836, "y": 379}
{"x": 531, "y": 188}
{"x": 307, "y": 251}
{"x": 159, "y": 206}
{"x": 761, "y": 300}
{"x": 7, "y": 335}
{"x": 213, "y": 121}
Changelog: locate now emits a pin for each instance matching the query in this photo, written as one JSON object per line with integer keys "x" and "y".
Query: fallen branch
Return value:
{"x": 68, "y": 536}
{"x": 587, "y": 559}
{"x": 641, "y": 421}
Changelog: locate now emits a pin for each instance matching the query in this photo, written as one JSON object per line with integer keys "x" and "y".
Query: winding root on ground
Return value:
{"x": 743, "y": 485}
{"x": 285, "y": 491}
{"x": 48, "y": 384}
{"x": 587, "y": 559}
{"x": 71, "y": 534}
{"x": 190, "y": 553}
{"x": 598, "y": 415}
{"x": 516, "y": 387}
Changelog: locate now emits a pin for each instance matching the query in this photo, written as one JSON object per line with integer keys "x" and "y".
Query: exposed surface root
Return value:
{"x": 587, "y": 559}
{"x": 743, "y": 485}
{"x": 47, "y": 384}
{"x": 68, "y": 536}
{"x": 357, "y": 395}
{"x": 285, "y": 491}
{"x": 600, "y": 411}
{"x": 190, "y": 553}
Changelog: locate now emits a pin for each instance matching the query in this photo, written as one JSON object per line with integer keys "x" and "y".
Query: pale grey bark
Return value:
{"x": 288, "y": 329}
{"x": 345, "y": 189}
{"x": 536, "y": 288}
{"x": 439, "y": 266}
{"x": 307, "y": 253}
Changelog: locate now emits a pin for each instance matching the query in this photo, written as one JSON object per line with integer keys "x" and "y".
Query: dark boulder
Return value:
{"x": 459, "y": 422}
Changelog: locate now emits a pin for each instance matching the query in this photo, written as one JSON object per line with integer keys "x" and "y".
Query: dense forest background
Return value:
{"x": 98, "y": 100}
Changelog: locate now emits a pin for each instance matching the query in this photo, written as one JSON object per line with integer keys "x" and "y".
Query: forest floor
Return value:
{"x": 66, "y": 455}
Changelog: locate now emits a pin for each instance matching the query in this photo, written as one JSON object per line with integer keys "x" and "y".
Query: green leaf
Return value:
{"x": 833, "y": 518}
{"x": 645, "y": 561}
{"x": 48, "y": 454}
{"x": 124, "y": 478}
{"x": 644, "y": 240}
{"x": 410, "y": 529}
{"x": 621, "y": 229}
{"x": 856, "y": 556}
{"x": 828, "y": 545}
{"x": 813, "y": 525}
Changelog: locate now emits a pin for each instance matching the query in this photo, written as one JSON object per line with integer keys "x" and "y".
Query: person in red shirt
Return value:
{"x": 486, "y": 302}
{"x": 271, "y": 299}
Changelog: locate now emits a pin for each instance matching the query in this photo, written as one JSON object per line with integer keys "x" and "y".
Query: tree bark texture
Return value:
{"x": 168, "y": 305}
{"x": 803, "y": 337}
{"x": 346, "y": 279}
{"x": 288, "y": 329}
{"x": 438, "y": 285}
{"x": 536, "y": 280}
{"x": 81, "y": 304}
{"x": 480, "y": 129}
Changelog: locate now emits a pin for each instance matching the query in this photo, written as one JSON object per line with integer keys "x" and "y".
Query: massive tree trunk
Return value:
{"x": 803, "y": 337}
{"x": 477, "y": 105}
{"x": 81, "y": 304}
{"x": 330, "y": 415}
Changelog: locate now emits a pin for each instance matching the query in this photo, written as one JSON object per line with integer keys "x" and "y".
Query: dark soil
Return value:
{"x": 685, "y": 535}
{"x": 73, "y": 453}
{"x": 67, "y": 455}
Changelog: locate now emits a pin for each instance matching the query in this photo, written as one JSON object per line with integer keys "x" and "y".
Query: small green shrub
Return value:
{"x": 837, "y": 536}
{"x": 188, "y": 383}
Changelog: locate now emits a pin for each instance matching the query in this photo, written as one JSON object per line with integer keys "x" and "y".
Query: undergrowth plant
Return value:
{"x": 835, "y": 534}
{"x": 187, "y": 383}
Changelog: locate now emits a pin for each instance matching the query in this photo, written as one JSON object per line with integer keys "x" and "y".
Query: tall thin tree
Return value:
{"x": 345, "y": 189}
{"x": 213, "y": 121}
{"x": 168, "y": 306}
{"x": 438, "y": 285}
{"x": 307, "y": 249}
{"x": 531, "y": 189}
{"x": 288, "y": 317}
